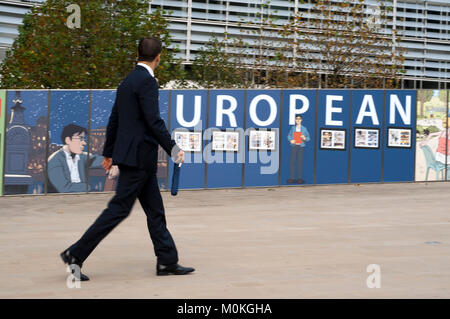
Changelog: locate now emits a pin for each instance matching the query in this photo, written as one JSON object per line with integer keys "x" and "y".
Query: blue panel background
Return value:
{"x": 365, "y": 164}
{"x": 67, "y": 107}
{"x": 332, "y": 165}
{"x": 102, "y": 104}
{"x": 253, "y": 176}
{"x": 162, "y": 164}
{"x": 399, "y": 164}
{"x": 192, "y": 175}
{"x": 35, "y": 117}
{"x": 225, "y": 174}
{"x": 309, "y": 123}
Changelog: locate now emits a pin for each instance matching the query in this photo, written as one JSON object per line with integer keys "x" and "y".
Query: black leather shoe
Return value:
{"x": 174, "y": 269}
{"x": 67, "y": 258}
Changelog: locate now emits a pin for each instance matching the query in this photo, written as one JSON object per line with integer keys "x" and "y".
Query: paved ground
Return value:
{"x": 288, "y": 242}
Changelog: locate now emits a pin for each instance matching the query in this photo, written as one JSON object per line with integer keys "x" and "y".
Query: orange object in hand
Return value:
{"x": 298, "y": 137}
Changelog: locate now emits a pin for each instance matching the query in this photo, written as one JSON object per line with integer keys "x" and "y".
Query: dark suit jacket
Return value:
{"x": 135, "y": 127}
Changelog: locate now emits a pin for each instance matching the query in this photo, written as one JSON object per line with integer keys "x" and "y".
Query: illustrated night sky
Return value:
{"x": 67, "y": 107}
{"x": 35, "y": 103}
{"x": 70, "y": 106}
{"x": 102, "y": 104}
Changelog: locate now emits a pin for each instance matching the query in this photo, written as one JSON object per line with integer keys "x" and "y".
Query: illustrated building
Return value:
{"x": 18, "y": 141}
{"x": 97, "y": 138}
{"x": 37, "y": 161}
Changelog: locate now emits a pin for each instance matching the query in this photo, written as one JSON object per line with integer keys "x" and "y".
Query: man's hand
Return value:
{"x": 107, "y": 163}
{"x": 180, "y": 157}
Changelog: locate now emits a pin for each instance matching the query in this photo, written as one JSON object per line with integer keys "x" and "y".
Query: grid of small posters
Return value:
{"x": 399, "y": 137}
{"x": 367, "y": 137}
{"x": 332, "y": 139}
{"x": 189, "y": 141}
{"x": 225, "y": 141}
{"x": 262, "y": 140}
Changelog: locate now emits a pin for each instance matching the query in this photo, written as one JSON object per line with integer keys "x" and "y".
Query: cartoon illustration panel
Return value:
{"x": 297, "y": 137}
{"x": 26, "y": 142}
{"x": 68, "y": 162}
{"x": 433, "y": 135}
{"x": 102, "y": 103}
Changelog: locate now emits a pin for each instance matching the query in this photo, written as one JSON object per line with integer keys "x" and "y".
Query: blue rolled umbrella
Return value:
{"x": 175, "y": 179}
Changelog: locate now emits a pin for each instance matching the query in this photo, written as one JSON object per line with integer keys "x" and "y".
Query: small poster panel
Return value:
{"x": 225, "y": 141}
{"x": 332, "y": 139}
{"x": 189, "y": 141}
{"x": 399, "y": 137}
{"x": 262, "y": 140}
{"x": 367, "y": 138}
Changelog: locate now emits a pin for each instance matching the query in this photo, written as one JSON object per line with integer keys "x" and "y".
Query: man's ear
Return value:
{"x": 67, "y": 140}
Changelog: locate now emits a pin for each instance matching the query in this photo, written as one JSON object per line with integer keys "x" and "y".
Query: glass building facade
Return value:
{"x": 424, "y": 27}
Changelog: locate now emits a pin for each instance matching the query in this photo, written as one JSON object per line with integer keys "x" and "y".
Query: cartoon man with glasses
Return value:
{"x": 67, "y": 167}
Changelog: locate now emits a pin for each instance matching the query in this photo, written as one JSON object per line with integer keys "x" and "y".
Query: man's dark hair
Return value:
{"x": 70, "y": 130}
{"x": 148, "y": 49}
{"x": 298, "y": 115}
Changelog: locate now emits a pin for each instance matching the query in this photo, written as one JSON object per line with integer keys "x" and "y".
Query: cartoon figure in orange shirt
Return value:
{"x": 298, "y": 136}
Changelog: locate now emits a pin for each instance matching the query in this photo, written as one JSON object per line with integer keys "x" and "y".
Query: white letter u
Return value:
{"x": 197, "y": 111}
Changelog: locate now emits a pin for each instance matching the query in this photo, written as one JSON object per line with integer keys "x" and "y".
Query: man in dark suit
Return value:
{"x": 134, "y": 131}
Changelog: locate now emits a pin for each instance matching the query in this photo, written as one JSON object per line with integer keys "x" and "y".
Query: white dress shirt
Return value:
{"x": 73, "y": 167}
{"x": 149, "y": 69}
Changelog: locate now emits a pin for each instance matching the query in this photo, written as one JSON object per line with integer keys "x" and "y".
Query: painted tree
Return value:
{"x": 422, "y": 97}
{"x": 53, "y": 52}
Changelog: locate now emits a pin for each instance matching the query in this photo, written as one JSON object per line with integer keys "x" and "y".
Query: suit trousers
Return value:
{"x": 296, "y": 161}
{"x": 133, "y": 183}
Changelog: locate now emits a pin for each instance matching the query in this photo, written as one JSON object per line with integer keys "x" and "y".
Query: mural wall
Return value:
{"x": 102, "y": 102}
{"x": 233, "y": 138}
{"x": 69, "y": 163}
{"x": 26, "y": 142}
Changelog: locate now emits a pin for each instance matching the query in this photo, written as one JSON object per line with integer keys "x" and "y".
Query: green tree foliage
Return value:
{"x": 342, "y": 45}
{"x": 99, "y": 54}
{"x": 213, "y": 67}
